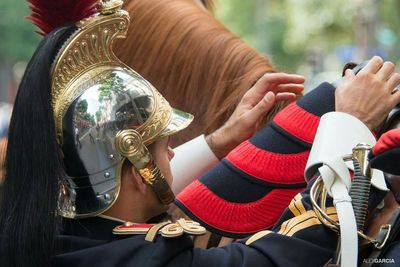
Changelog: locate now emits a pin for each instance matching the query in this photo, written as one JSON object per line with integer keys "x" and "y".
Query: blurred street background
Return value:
{"x": 311, "y": 37}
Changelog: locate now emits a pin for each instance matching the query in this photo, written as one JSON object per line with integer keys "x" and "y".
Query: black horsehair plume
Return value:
{"x": 28, "y": 203}
{"x": 28, "y": 222}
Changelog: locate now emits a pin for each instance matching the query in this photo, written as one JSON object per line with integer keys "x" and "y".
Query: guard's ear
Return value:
{"x": 132, "y": 178}
{"x": 385, "y": 155}
{"x": 138, "y": 181}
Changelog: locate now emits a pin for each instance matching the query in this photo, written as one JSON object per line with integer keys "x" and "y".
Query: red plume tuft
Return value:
{"x": 50, "y": 14}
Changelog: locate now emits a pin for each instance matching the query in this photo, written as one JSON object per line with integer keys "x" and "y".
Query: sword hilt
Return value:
{"x": 360, "y": 187}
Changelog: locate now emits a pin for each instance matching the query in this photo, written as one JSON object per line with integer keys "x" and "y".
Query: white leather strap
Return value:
{"x": 338, "y": 133}
{"x": 337, "y": 182}
{"x": 340, "y": 171}
{"x": 192, "y": 159}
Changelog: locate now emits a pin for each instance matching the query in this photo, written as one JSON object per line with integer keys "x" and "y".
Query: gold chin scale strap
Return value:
{"x": 130, "y": 145}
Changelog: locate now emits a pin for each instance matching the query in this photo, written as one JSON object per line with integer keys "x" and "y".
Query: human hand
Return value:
{"x": 369, "y": 95}
{"x": 255, "y": 104}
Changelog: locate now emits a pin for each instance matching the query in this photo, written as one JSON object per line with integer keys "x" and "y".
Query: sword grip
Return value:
{"x": 359, "y": 193}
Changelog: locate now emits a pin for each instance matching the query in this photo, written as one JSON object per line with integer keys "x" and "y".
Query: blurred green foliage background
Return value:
{"x": 311, "y": 37}
{"x": 291, "y": 32}
{"x": 17, "y": 36}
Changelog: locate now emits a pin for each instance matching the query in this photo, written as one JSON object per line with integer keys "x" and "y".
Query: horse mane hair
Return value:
{"x": 209, "y": 4}
{"x": 192, "y": 59}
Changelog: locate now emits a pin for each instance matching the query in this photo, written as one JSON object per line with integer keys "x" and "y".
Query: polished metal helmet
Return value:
{"x": 105, "y": 113}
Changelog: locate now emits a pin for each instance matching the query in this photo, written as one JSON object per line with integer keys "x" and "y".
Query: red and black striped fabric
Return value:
{"x": 386, "y": 152}
{"x": 249, "y": 189}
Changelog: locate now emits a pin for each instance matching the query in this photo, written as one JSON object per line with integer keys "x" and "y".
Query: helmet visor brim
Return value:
{"x": 179, "y": 121}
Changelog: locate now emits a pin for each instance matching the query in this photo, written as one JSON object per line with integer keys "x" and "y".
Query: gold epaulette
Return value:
{"x": 166, "y": 229}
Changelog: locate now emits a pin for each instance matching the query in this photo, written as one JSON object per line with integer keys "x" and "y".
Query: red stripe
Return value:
{"x": 136, "y": 225}
{"x": 387, "y": 141}
{"x": 268, "y": 166}
{"x": 298, "y": 122}
{"x": 239, "y": 218}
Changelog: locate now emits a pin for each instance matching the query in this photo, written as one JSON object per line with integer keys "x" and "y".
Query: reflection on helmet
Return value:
{"x": 105, "y": 113}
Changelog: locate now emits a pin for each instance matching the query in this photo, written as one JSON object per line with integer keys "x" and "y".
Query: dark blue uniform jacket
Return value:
{"x": 298, "y": 239}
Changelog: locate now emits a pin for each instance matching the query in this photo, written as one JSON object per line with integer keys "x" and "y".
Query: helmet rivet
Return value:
{"x": 106, "y": 196}
{"x": 107, "y": 175}
{"x": 112, "y": 156}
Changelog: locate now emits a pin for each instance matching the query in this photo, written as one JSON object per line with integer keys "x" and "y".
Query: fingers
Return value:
{"x": 281, "y": 77}
{"x": 266, "y": 104}
{"x": 277, "y": 78}
{"x": 373, "y": 65}
{"x": 395, "y": 98}
{"x": 262, "y": 107}
{"x": 290, "y": 88}
{"x": 394, "y": 80}
{"x": 386, "y": 70}
{"x": 285, "y": 97}
{"x": 349, "y": 73}
{"x": 383, "y": 69}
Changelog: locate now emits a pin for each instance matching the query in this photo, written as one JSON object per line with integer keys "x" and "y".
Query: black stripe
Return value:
{"x": 387, "y": 161}
{"x": 305, "y": 145}
{"x": 235, "y": 186}
{"x": 274, "y": 139}
{"x": 320, "y": 100}
{"x": 262, "y": 182}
